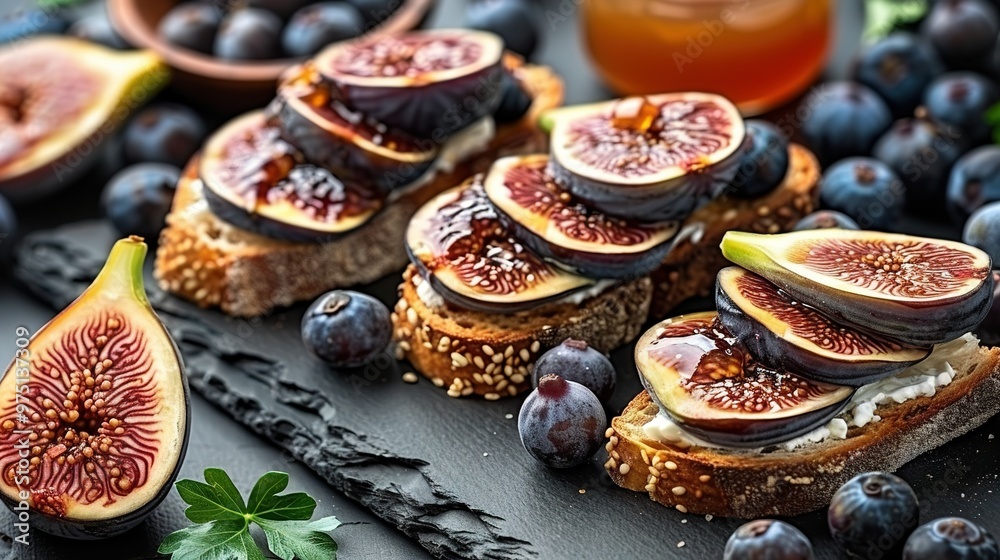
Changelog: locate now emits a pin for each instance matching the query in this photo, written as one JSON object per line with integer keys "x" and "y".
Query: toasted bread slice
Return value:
{"x": 778, "y": 481}
{"x": 691, "y": 267}
{"x": 215, "y": 264}
{"x": 471, "y": 340}
{"x": 492, "y": 355}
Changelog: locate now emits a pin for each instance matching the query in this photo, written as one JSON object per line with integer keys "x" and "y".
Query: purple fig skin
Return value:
{"x": 574, "y": 360}
{"x": 561, "y": 423}
{"x": 780, "y": 354}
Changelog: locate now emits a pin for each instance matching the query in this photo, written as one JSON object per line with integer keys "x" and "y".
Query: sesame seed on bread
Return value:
{"x": 492, "y": 354}
{"x": 215, "y": 264}
{"x": 778, "y": 481}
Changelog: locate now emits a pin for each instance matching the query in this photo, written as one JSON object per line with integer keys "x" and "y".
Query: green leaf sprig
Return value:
{"x": 223, "y": 521}
{"x": 885, "y": 16}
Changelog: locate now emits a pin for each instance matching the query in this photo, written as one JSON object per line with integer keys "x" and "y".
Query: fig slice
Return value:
{"x": 94, "y": 410}
{"x": 654, "y": 158}
{"x": 345, "y": 141}
{"x": 428, "y": 83}
{"x": 459, "y": 245}
{"x": 916, "y": 290}
{"x": 60, "y": 99}
{"x": 552, "y": 222}
{"x": 783, "y": 333}
{"x": 707, "y": 382}
{"x": 257, "y": 181}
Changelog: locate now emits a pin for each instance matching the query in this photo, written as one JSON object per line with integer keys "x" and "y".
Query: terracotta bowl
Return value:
{"x": 225, "y": 86}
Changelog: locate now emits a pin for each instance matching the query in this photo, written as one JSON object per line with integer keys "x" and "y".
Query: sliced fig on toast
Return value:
{"x": 428, "y": 83}
{"x": 916, "y": 290}
{"x": 783, "y": 333}
{"x": 60, "y": 100}
{"x": 552, "y": 222}
{"x": 654, "y": 158}
{"x": 257, "y": 181}
{"x": 459, "y": 245}
{"x": 710, "y": 385}
{"x": 349, "y": 143}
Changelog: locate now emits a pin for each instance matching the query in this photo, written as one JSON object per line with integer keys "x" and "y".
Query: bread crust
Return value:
{"x": 214, "y": 264}
{"x": 749, "y": 484}
{"x": 493, "y": 355}
{"x": 690, "y": 268}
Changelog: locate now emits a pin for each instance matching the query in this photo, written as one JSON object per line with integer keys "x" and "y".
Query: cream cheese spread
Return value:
{"x": 920, "y": 380}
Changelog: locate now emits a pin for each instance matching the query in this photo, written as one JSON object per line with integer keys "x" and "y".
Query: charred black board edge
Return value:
{"x": 56, "y": 267}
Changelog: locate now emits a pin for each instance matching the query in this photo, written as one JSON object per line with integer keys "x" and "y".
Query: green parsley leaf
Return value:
{"x": 993, "y": 117}
{"x": 221, "y": 540}
{"x": 264, "y": 504}
{"x": 305, "y": 540}
{"x": 225, "y": 520}
{"x": 882, "y": 17}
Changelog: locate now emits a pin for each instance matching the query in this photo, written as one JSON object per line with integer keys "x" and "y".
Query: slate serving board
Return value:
{"x": 451, "y": 473}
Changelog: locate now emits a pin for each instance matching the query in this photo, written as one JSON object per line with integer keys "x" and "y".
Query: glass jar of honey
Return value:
{"x": 757, "y": 53}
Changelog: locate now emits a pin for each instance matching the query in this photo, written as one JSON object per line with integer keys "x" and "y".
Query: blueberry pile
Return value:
{"x": 270, "y": 29}
{"x": 917, "y": 104}
{"x": 873, "y": 515}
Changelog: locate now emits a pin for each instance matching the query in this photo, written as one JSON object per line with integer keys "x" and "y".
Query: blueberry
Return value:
{"x": 983, "y": 230}
{"x": 963, "y": 31}
{"x": 375, "y": 12}
{"x": 767, "y": 539}
{"x": 865, "y": 189}
{"x": 137, "y": 199}
{"x": 922, "y": 154}
{"x": 26, "y": 23}
{"x": 825, "y": 219}
{"x": 989, "y": 330}
{"x": 899, "y": 67}
{"x": 960, "y": 100}
{"x": 96, "y": 28}
{"x": 873, "y": 514}
{"x": 843, "y": 119}
{"x": 514, "y": 101}
{"x": 951, "y": 538}
{"x": 191, "y": 25}
{"x": 561, "y": 422}
{"x": 249, "y": 34}
{"x": 280, "y": 8}
{"x": 318, "y": 25}
{"x": 974, "y": 181}
{"x": 575, "y": 361}
{"x": 8, "y": 228}
{"x": 346, "y": 329}
{"x": 512, "y": 20}
{"x": 764, "y": 162}
{"x": 165, "y": 133}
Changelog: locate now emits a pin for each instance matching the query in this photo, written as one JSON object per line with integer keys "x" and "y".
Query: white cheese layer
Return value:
{"x": 920, "y": 380}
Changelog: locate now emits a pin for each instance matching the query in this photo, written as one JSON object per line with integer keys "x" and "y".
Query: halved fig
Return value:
{"x": 257, "y": 181}
{"x": 94, "y": 411}
{"x": 428, "y": 83}
{"x": 349, "y": 143}
{"x": 459, "y": 245}
{"x": 552, "y": 222}
{"x": 915, "y": 290}
{"x": 783, "y": 333}
{"x": 60, "y": 99}
{"x": 707, "y": 382}
{"x": 653, "y": 158}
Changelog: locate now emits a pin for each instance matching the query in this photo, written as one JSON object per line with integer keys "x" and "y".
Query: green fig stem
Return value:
{"x": 122, "y": 273}
{"x": 547, "y": 121}
{"x": 743, "y": 247}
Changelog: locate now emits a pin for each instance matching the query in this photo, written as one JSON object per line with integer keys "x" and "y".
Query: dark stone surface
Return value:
{"x": 451, "y": 473}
